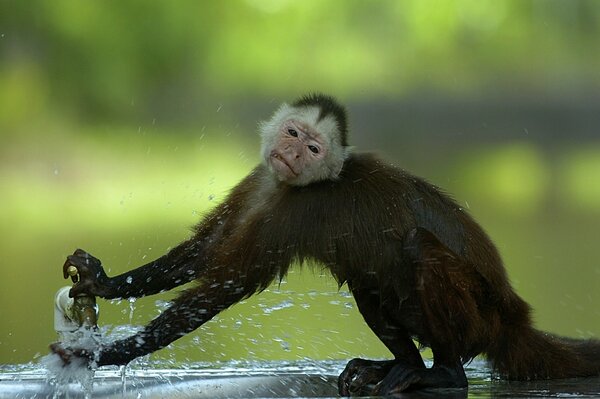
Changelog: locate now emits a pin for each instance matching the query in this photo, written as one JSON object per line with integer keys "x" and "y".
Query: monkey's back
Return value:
{"x": 357, "y": 224}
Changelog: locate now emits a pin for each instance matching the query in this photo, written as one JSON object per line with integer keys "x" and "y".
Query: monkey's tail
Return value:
{"x": 524, "y": 353}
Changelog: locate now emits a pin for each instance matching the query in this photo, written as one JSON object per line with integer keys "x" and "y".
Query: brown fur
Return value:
{"x": 417, "y": 264}
{"x": 435, "y": 274}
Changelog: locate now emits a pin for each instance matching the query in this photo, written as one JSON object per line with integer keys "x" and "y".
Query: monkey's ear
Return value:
{"x": 339, "y": 170}
{"x": 347, "y": 151}
{"x": 338, "y": 161}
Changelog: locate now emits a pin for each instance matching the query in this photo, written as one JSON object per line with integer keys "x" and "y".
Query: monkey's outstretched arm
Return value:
{"x": 180, "y": 265}
{"x": 177, "y": 267}
{"x": 220, "y": 288}
{"x": 192, "y": 309}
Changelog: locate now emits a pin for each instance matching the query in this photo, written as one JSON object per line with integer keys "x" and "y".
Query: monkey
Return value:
{"x": 420, "y": 268}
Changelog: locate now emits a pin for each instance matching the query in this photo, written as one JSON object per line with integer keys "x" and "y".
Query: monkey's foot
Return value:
{"x": 402, "y": 378}
{"x": 360, "y": 376}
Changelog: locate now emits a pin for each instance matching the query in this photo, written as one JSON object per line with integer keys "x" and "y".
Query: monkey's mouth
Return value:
{"x": 282, "y": 166}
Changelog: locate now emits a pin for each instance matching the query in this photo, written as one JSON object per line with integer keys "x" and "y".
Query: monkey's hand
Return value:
{"x": 71, "y": 355}
{"x": 360, "y": 376}
{"x": 90, "y": 278}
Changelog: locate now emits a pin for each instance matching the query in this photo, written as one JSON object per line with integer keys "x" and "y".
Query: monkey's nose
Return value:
{"x": 290, "y": 153}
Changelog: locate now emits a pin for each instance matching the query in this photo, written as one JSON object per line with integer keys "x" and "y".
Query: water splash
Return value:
{"x": 242, "y": 379}
{"x": 78, "y": 371}
{"x": 131, "y": 309}
{"x": 282, "y": 305}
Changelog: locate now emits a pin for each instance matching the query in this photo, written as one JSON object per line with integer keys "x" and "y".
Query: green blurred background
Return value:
{"x": 122, "y": 122}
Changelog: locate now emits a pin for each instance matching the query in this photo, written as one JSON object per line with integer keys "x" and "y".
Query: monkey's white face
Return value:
{"x": 300, "y": 149}
{"x": 297, "y": 151}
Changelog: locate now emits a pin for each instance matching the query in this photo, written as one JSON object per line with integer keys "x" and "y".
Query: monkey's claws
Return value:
{"x": 361, "y": 375}
{"x": 402, "y": 378}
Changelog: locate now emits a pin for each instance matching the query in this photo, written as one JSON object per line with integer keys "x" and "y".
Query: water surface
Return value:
{"x": 307, "y": 379}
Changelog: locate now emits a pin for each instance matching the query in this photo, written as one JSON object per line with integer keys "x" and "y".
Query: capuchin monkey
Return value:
{"x": 420, "y": 268}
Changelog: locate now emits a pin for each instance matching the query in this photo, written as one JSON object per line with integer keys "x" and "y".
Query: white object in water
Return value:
{"x": 63, "y": 312}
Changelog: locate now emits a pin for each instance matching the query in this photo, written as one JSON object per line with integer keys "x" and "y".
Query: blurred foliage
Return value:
{"x": 122, "y": 59}
{"x": 122, "y": 122}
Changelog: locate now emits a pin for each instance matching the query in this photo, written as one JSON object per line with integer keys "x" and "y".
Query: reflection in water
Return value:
{"x": 264, "y": 380}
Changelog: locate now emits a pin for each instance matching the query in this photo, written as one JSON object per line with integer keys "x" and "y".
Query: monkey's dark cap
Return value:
{"x": 328, "y": 106}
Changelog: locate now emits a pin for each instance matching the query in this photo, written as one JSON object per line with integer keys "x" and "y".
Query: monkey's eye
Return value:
{"x": 314, "y": 149}
{"x": 292, "y": 132}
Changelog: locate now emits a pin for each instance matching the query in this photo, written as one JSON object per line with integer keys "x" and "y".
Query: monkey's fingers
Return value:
{"x": 365, "y": 379}
{"x": 67, "y": 355}
{"x": 70, "y": 270}
{"x": 70, "y": 267}
{"x": 360, "y": 376}
{"x": 64, "y": 353}
{"x": 81, "y": 265}
{"x": 346, "y": 378}
{"x": 83, "y": 287}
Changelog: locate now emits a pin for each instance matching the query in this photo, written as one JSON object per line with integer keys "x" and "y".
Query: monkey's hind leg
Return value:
{"x": 361, "y": 375}
{"x": 447, "y": 289}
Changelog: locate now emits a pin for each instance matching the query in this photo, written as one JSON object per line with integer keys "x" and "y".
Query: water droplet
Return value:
{"x": 131, "y": 309}
{"x": 283, "y": 305}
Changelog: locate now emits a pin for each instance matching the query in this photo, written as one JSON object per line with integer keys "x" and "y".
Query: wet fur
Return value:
{"x": 371, "y": 228}
{"x": 418, "y": 265}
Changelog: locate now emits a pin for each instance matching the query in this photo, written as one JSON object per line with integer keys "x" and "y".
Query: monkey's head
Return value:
{"x": 307, "y": 141}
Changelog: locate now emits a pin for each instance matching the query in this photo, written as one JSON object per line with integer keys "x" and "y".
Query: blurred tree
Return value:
{"x": 495, "y": 100}
{"x": 122, "y": 59}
